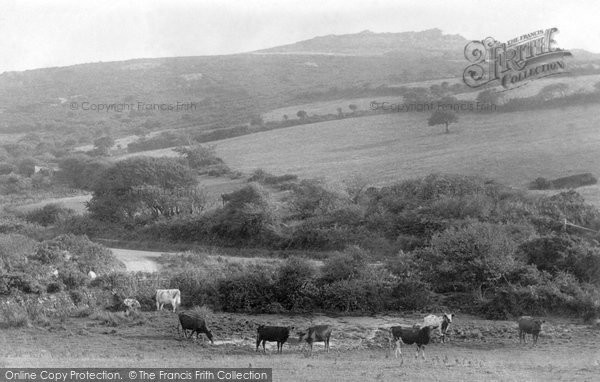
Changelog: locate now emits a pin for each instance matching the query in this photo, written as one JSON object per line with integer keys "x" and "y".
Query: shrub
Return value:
{"x": 49, "y": 214}
{"x": 13, "y": 316}
{"x": 344, "y": 266}
{"x": 540, "y": 184}
{"x": 291, "y": 276}
{"x": 249, "y": 292}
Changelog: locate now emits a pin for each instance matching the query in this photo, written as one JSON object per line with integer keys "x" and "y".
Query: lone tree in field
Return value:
{"x": 302, "y": 114}
{"x": 442, "y": 117}
{"x": 353, "y": 107}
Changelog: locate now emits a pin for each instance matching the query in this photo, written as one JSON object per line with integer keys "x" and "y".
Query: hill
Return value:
{"x": 428, "y": 43}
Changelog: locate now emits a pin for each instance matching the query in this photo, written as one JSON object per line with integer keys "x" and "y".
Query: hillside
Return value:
{"x": 512, "y": 148}
{"x": 226, "y": 90}
{"x": 429, "y": 43}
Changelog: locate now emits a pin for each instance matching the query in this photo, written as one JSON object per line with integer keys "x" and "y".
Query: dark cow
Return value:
{"x": 318, "y": 333}
{"x": 411, "y": 335}
{"x": 531, "y": 326}
{"x": 278, "y": 334}
{"x": 194, "y": 322}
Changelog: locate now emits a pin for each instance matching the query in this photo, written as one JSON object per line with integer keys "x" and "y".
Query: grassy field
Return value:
{"x": 513, "y": 148}
{"x": 478, "y": 350}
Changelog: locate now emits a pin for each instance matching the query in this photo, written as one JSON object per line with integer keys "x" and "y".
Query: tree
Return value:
{"x": 257, "y": 120}
{"x": 340, "y": 113}
{"x": 475, "y": 256}
{"x": 285, "y": 117}
{"x": 102, "y": 145}
{"x": 302, "y": 114}
{"x": 488, "y": 97}
{"x": 26, "y": 166}
{"x": 551, "y": 91}
{"x": 142, "y": 186}
{"x": 353, "y": 107}
{"x": 442, "y": 117}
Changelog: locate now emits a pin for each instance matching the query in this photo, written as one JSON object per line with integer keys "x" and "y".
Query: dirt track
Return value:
{"x": 138, "y": 261}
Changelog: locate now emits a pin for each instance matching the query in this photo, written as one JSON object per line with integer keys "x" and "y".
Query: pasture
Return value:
{"x": 512, "y": 148}
{"x": 477, "y": 350}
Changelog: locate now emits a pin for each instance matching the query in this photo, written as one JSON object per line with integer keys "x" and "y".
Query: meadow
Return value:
{"x": 512, "y": 148}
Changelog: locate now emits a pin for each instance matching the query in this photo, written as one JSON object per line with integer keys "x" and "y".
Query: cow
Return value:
{"x": 443, "y": 322}
{"x": 92, "y": 275}
{"x": 529, "y": 325}
{"x": 279, "y": 334}
{"x": 168, "y": 296}
{"x": 318, "y": 333}
{"x": 411, "y": 335}
{"x": 194, "y": 322}
{"x": 131, "y": 304}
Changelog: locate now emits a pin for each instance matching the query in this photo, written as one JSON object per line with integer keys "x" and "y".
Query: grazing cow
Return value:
{"x": 54, "y": 273}
{"x": 278, "y": 334}
{"x": 131, "y": 304}
{"x": 319, "y": 333}
{"x": 531, "y": 326}
{"x": 92, "y": 275}
{"x": 194, "y": 322}
{"x": 168, "y": 296}
{"x": 411, "y": 335}
{"x": 443, "y": 322}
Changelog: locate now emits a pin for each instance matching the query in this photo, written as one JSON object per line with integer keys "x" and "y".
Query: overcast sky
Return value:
{"x": 38, "y": 33}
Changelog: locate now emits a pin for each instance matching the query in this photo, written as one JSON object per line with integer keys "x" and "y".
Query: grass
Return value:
{"x": 513, "y": 148}
{"x": 566, "y": 351}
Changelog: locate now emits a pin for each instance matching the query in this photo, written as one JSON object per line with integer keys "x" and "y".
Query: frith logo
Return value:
{"x": 512, "y": 64}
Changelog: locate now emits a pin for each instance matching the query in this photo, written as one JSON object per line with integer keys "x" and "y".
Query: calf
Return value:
{"x": 278, "y": 334}
{"x": 411, "y": 335}
{"x": 318, "y": 333}
{"x": 168, "y": 296}
{"x": 443, "y": 322}
{"x": 531, "y": 326}
{"x": 131, "y": 304}
{"x": 194, "y": 322}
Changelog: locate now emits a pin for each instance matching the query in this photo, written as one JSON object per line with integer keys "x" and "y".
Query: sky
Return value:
{"x": 41, "y": 33}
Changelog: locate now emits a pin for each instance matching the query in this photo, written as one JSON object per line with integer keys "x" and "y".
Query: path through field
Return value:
{"x": 138, "y": 261}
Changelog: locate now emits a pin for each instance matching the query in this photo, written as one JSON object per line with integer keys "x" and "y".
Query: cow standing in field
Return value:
{"x": 168, "y": 296}
{"x": 411, "y": 335}
{"x": 442, "y": 322}
{"x": 279, "y": 334}
{"x": 194, "y": 322}
{"x": 318, "y": 333}
{"x": 528, "y": 325}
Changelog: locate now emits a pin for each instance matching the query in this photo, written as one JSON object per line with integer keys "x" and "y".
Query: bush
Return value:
{"x": 344, "y": 266}
{"x": 49, "y": 214}
{"x": 291, "y": 276}
{"x": 250, "y": 292}
{"x": 540, "y": 184}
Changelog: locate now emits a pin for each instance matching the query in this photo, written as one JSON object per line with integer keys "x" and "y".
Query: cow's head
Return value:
{"x": 301, "y": 336}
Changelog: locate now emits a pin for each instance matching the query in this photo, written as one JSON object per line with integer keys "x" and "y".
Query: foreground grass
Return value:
{"x": 567, "y": 351}
{"x": 515, "y": 363}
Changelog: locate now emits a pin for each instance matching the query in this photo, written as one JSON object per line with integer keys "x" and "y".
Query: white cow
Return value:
{"x": 168, "y": 296}
{"x": 92, "y": 275}
{"x": 442, "y": 322}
